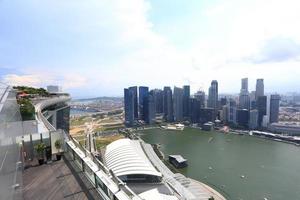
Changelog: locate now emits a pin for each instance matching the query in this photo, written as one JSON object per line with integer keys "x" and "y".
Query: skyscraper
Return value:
{"x": 158, "y": 100}
{"x": 245, "y": 84}
{"x": 274, "y": 108}
{"x": 168, "y": 104}
{"x": 213, "y": 95}
{"x": 244, "y": 98}
{"x": 143, "y": 94}
{"x": 232, "y": 111}
{"x": 195, "y": 106}
{"x": 242, "y": 117}
{"x": 186, "y": 99}
{"x": 200, "y": 95}
{"x": 261, "y": 105}
{"x": 178, "y": 104}
{"x": 129, "y": 106}
{"x": 253, "y": 119}
{"x": 259, "y": 88}
{"x": 135, "y": 101}
{"x": 149, "y": 107}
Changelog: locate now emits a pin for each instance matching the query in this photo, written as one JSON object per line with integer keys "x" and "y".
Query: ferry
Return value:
{"x": 177, "y": 127}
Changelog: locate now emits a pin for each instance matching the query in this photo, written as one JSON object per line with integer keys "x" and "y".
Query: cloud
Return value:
{"x": 68, "y": 81}
{"x": 97, "y": 48}
{"x": 30, "y": 80}
{"x": 277, "y": 50}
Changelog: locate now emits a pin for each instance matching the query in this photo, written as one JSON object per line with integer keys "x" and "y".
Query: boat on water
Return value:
{"x": 178, "y": 161}
{"x": 179, "y": 127}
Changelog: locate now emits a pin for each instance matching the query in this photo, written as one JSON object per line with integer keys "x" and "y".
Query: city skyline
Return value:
{"x": 151, "y": 42}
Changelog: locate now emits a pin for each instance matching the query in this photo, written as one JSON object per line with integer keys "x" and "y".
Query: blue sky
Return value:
{"x": 98, "y": 47}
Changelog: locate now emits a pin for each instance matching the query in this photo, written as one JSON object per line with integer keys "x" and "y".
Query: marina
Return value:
{"x": 233, "y": 163}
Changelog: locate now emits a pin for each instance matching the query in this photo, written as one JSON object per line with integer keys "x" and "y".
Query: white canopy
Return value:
{"x": 126, "y": 157}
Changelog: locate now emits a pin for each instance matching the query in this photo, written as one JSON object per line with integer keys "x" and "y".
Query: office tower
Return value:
{"x": 149, "y": 107}
{"x": 232, "y": 111}
{"x": 253, "y": 105}
{"x": 207, "y": 115}
{"x": 213, "y": 95}
{"x": 261, "y": 105}
{"x": 242, "y": 117}
{"x": 135, "y": 101}
{"x": 158, "y": 100}
{"x": 253, "y": 119}
{"x": 195, "y": 106}
{"x": 259, "y": 88}
{"x": 168, "y": 104}
{"x": 186, "y": 99}
{"x": 274, "y": 108}
{"x": 224, "y": 117}
{"x": 143, "y": 94}
{"x": 244, "y": 100}
{"x": 244, "y": 84}
{"x": 178, "y": 103}
{"x": 129, "y": 106}
{"x": 200, "y": 95}
{"x": 223, "y": 102}
{"x": 252, "y": 95}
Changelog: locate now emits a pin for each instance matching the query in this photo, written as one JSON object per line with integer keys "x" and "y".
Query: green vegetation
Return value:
{"x": 27, "y": 109}
{"x": 58, "y": 145}
{"x": 106, "y": 140}
{"x": 31, "y": 90}
{"x": 80, "y": 121}
{"x": 39, "y": 148}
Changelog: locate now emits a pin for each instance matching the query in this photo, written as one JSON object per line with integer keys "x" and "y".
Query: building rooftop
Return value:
{"x": 126, "y": 157}
{"x": 178, "y": 158}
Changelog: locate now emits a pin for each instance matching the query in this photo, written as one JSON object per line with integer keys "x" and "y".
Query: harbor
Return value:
{"x": 233, "y": 163}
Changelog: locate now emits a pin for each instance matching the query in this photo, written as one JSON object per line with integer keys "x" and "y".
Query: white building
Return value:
{"x": 54, "y": 89}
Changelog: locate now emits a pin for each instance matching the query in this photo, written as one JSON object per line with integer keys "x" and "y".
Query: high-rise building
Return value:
{"x": 143, "y": 94}
{"x": 213, "y": 97}
{"x": 149, "y": 106}
{"x": 186, "y": 101}
{"x": 200, "y": 95}
{"x": 244, "y": 100}
{"x": 195, "y": 106}
{"x": 223, "y": 102}
{"x": 224, "y": 117}
{"x": 261, "y": 105}
{"x": 232, "y": 111}
{"x": 274, "y": 108}
{"x": 168, "y": 104}
{"x": 129, "y": 106}
{"x": 178, "y": 104}
{"x": 158, "y": 100}
{"x": 242, "y": 116}
{"x": 207, "y": 115}
{"x": 259, "y": 88}
{"x": 245, "y": 84}
{"x": 135, "y": 101}
{"x": 253, "y": 119}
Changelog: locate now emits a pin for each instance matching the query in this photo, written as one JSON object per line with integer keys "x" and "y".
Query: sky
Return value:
{"x": 98, "y": 47}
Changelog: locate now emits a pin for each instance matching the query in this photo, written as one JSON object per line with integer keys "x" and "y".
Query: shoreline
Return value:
{"x": 217, "y": 195}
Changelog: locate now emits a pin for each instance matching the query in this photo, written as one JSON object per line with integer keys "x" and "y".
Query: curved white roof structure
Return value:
{"x": 126, "y": 157}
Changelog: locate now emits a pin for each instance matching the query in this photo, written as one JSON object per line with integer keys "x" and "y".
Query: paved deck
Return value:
{"x": 53, "y": 181}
